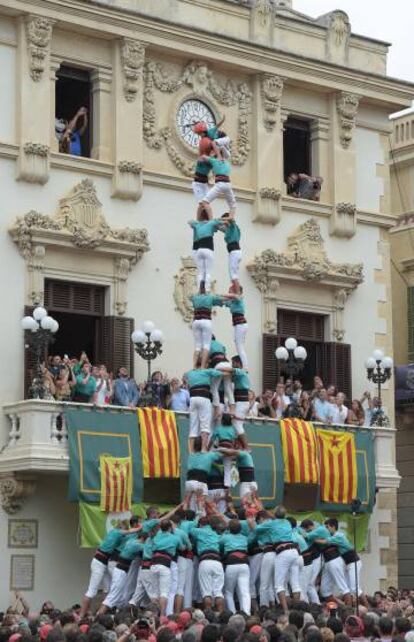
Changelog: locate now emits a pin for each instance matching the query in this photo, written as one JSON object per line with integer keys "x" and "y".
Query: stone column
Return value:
{"x": 320, "y": 154}
{"x": 269, "y": 148}
{"x": 129, "y": 58}
{"x": 101, "y": 80}
{"x": 343, "y": 108}
{"x": 33, "y": 99}
{"x": 55, "y": 63}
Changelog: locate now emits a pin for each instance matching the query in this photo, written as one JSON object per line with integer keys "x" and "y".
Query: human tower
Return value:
{"x": 203, "y": 551}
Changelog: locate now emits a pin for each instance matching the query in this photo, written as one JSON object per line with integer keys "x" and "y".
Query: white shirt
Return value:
{"x": 253, "y": 410}
{"x": 339, "y": 414}
{"x": 281, "y": 407}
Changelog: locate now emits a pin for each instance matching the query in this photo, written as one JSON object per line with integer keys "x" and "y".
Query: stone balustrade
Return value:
{"x": 37, "y": 440}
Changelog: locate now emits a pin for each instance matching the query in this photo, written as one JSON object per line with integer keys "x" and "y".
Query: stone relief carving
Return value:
{"x": 38, "y": 37}
{"x": 122, "y": 270}
{"x": 347, "y": 108}
{"x": 129, "y": 167}
{"x": 185, "y": 286}
{"x": 271, "y": 90}
{"x": 33, "y": 163}
{"x": 343, "y": 220}
{"x": 340, "y": 27}
{"x": 132, "y": 60}
{"x": 202, "y": 81}
{"x": 36, "y": 149}
{"x": 35, "y": 266}
{"x": 339, "y": 300}
{"x": 267, "y": 206}
{"x": 14, "y": 491}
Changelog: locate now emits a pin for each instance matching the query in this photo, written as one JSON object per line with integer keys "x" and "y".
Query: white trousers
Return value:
{"x": 242, "y": 408}
{"x": 286, "y": 567}
{"x": 350, "y": 576}
{"x": 240, "y": 332}
{"x": 255, "y": 562}
{"x": 204, "y": 260}
{"x": 247, "y": 487}
{"x": 211, "y": 578}
{"x": 202, "y": 331}
{"x": 98, "y": 574}
{"x": 316, "y": 567}
{"x": 173, "y": 588}
{"x": 160, "y": 581}
{"x": 235, "y": 257}
{"x": 217, "y": 496}
{"x": 224, "y": 144}
{"x": 237, "y": 578}
{"x": 199, "y": 190}
{"x": 221, "y": 189}
{"x": 185, "y": 576}
{"x": 189, "y": 584}
{"x": 228, "y": 387}
{"x": 143, "y": 588}
{"x": 267, "y": 571}
{"x": 305, "y": 574}
{"x": 116, "y": 595}
{"x": 333, "y": 574}
{"x": 200, "y": 416}
{"x": 195, "y": 487}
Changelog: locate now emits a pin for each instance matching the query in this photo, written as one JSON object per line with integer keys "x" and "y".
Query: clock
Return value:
{"x": 192, "y": 111}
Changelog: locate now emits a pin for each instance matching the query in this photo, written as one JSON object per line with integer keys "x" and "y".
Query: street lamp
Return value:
{"x": 379, "y": 370}
{"x": 291, "y": 358}
{"x": 42, "y": 328}
{"x": 148, "y": 344}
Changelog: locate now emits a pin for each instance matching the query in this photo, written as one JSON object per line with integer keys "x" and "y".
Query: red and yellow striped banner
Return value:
{"x": 159, "y": 443}
{"x": 116, "y": 483}
{"x": 339, "y": 480}
{"x": 299, "y": 451}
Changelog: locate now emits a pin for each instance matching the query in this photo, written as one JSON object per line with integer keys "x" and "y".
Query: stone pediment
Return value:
{"x": 78, "y": 224}
{"x": 304, "y": 260}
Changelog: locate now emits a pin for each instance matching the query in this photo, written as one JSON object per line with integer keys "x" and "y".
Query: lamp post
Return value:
{"x": 379, "y": 370}
{"x": 291, "y": 358}
{"x": 355, "y": 508}
{"x": 42, "y": 328}
{"x": 148, "y": 344}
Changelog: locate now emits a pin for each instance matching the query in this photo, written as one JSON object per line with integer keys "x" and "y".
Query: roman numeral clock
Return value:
{"x": 191, "y": 111}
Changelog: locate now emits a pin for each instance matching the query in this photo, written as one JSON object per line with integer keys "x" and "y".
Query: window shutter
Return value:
{"x": 117, "y": 348}
{"x": 301, "y": 325}
{"x": 333, "y": 364}
{"x": 410, "y": 322}
{"x": 80, "y": 298}
{"x": 271, "y": 371}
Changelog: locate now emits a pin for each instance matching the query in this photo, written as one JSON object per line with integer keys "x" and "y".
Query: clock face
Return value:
{"x": 190, "y": 112}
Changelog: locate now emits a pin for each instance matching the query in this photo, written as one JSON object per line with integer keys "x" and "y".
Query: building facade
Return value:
{"x": 102, "y": 238}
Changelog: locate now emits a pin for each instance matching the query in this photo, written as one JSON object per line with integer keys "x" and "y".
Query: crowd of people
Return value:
{"x": 387, "y": 618}
{"x": 76, "y": 379}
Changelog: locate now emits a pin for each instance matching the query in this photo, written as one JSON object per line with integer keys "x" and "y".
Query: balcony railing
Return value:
{"x": 37, "y": 440}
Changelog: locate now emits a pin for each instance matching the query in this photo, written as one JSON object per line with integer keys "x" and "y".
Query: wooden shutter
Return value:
{"x": 333, "y": 364}
{"x": 271, "y": 371}
{"x": 301, "y": 325}
{"x": 80, "y": 298}
{"x": 117, "y": 348}
{"x": 410, "y": 323}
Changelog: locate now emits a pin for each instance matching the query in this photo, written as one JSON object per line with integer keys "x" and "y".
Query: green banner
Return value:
{"x": 94, "y": 524}
{"x": 92, "y": 433}
{"x": 365, "y": 460}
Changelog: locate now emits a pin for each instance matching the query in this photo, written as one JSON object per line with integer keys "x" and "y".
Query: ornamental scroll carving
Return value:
{"x": 347, "y": 108}
{"x": 38, "y": 38}
{"x": 14, "y": 491}
{"x": 132, "y": 61}
{"x": 271, "y": 90}
{"x": 185, "y": 286}
{"x": 201, "y": 80}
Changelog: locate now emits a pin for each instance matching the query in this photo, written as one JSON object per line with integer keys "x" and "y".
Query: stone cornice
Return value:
{"x": 155, "y": 32}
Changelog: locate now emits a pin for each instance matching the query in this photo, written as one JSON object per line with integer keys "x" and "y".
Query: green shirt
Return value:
{"x": 241, "y": 379}
{"x": 233, "y": 542}
{"x": 245, "y": 460}
{"x": 341, "y": 541}
{"x": 202, "y": 168}
{"x": 279, "y": 530}
{"x": 236, "y": 306}
{"x": 167, "y": 543}
{"x": 220, "y": 167}
{"x": 183, "y": 537}
{"x": 87, "y": 388}
{"x": 203, "y": 461}
{"x": 213, "y": 132}
{"x": 232, "y": 233}
{"x": 216, "y": 346}
{"x": 224, "y": 433}
{"x": 112, "y": 540}
{"x": 206, "y": 539}
{"x": 149, "y": 524}
{"x": 204, "y": 229}
{"x": 206, "y": 301}
{"x": 197, "y": 378}
{"x": 131, "y": 549}
{"x": 148, "y": 549}
{"x": 298, "y": 539}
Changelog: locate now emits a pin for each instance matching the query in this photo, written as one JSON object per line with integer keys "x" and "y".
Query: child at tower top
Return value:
{"x": 219, "y": 140}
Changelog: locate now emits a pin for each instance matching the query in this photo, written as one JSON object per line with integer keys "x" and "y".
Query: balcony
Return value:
{"x": 37, "y": 441}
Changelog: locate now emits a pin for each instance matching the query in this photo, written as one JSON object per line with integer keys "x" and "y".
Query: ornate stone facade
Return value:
{"x": 132, "y": 57}
{"x": 14, "y": 490}
{"x": 271, "y": 89}
{"x": 268, "y": 205}
{"x": 38, "y": 37}
{"x": 343, "y": 221}
{"x": 185, "y": 286}
{"x": 347, "y": 107}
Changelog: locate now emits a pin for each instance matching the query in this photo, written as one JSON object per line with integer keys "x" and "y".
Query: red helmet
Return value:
{"x": 200, "y": 128}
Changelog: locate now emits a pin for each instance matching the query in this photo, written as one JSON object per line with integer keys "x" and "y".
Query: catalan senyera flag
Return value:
{"x": 338, "y": 466}
{"x": 159, "y": 443}
{"x": 116, "y": 483}
{"x": 300, "y": 453}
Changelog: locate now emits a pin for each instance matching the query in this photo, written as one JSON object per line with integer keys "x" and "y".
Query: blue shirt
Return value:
{"x": 131, "y": 549}
{"x": 203, "y": 461}
{"x": 279, "y": 530}
{"x": 206, "y": 301}
{"x": 241, "y": 379}
{"x": 206, "y": 539}
{"x": 112, "y": 540}
{"x": 197, "y": 378}
{"x": 216, "y": 346}
{"x": 219, "y": 167}
{"x": 233, "y": 542}
{"x": 341, "y": 541}
{"x": 75, "y": 147}
{"x": 323, "y": 410}
{"x": 204, "y": 229}
{"x": 180, "y": 400}
{"x": 167, "y": 543}
{"x": 232, "y": 233}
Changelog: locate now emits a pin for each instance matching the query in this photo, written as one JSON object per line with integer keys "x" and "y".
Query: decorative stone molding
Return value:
{"x": 127, "y": 180}
{"x": 132, "y": 59}
{"x": 33, "y": 163}
{"x": 347, "y": 108}
{"x": 343, "y": 220}
{"x": 185, "y": 286}
{"x": 337, "y": 36}
{"x": 38, "y": 38}
{"x": 14, "y": 490}
{"x": 80, "y": 225}
{"x": 305, "y": 261}
{"x": 268, "y": 206}
{"x": 339, "y": 300}
{"x": 271, "y": 91}
{"x": 201, "y": 80}
{"x": 262, "y": 21}
{"x": 122, "y": 270}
